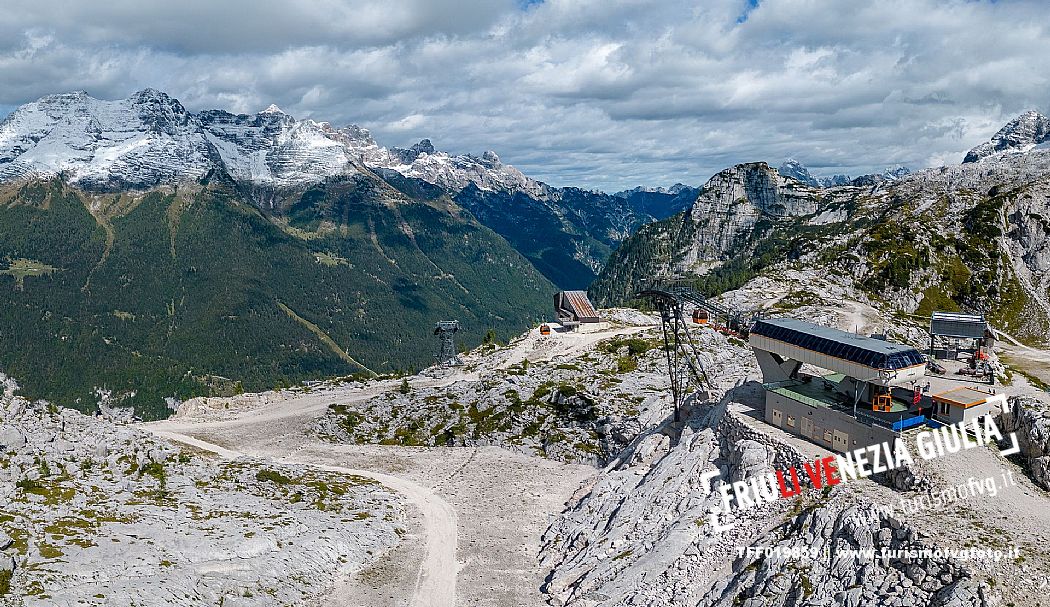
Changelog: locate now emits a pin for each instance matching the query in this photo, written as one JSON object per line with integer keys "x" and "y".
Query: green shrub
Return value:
{"x": 272, "y": 476}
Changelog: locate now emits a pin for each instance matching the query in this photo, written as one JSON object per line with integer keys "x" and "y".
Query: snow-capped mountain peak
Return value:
{"x": 795, "y": 169}
{"x": 145, "y": 139}
{"x": 149, "y": 138}
{"x": 1018, "y": 136}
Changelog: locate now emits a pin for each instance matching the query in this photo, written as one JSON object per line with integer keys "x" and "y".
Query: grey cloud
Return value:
{"x": 596, "y": 93}
{"x": 239, "y": 26}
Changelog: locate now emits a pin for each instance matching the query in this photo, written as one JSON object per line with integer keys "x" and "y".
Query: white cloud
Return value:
{"x": 596, "y": 93}
{"x": 407, "y": 124}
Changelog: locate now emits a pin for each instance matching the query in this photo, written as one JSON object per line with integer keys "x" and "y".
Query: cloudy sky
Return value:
{"x": 597, "y": 93}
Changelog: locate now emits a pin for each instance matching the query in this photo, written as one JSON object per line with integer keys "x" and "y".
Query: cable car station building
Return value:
{"x": 573, "y": 309}
{"x": 866, "y": 392}
{"x": 953, "y": 333}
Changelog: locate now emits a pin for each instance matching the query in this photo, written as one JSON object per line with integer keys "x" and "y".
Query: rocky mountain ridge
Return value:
{"x": 974, "y": 236}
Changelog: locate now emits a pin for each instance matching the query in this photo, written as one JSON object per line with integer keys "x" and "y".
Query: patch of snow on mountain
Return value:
{"x": 149, "y": 138}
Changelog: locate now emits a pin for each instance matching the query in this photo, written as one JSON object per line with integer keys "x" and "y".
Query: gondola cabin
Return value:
{"x": 545, "y": 329}
{"x": 700, "y": 316}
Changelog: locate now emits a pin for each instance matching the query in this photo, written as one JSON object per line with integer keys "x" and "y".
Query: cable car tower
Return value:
{"x": 446, "y": 331}
{"x": 685, "y": 371}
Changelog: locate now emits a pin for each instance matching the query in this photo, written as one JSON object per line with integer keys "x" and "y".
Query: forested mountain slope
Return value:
{"x": 190, "y": 289}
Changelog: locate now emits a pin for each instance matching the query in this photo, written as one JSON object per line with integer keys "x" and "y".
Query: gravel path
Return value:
{"x": 436, "y": 581}
{"x": 480, "y": 510}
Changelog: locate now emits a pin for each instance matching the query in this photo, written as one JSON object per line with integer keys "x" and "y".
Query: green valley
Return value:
{"x": 193, "y": 290}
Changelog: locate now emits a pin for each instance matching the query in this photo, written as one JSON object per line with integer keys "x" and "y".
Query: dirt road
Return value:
{"x": 480, "y": 511}
{"x": 1032, "y": 361}
{"x": 436, "y": 581}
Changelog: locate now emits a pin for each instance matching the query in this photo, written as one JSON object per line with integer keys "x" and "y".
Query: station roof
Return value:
{"x": 867, "y": 351}
{"x": 951, "y": 324}
{"x": 963, "y": 396}
{"x": 578, "y": 303}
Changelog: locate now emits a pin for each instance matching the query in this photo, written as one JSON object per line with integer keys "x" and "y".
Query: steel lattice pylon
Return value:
{"x": 446, "y": 331}
{"x": 684, "y": 370}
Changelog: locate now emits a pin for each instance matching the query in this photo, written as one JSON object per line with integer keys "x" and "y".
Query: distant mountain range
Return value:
{"x": 149, "y": 252}
{"x": 796, "y": 170}
{"x": 150, "y": 139}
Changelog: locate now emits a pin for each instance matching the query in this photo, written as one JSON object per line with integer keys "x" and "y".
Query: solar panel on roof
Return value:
{"x": 874, "y": 353}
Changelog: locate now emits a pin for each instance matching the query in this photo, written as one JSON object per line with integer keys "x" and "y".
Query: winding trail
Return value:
{"x": 436, "y": 581}
{"x": 491, "y": 554}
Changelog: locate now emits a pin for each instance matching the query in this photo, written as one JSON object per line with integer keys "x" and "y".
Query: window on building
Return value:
{"x": 791, "y": 421}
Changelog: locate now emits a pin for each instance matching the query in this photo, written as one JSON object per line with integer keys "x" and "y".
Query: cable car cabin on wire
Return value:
{"x": 700, "y": 316}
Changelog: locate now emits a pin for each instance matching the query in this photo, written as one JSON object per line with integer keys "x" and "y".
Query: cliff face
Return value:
{"x": 732, "y": 202}
{"x": 1030, "y": 419}
{"x": 1027, "y": 239}
{"x": 640, "y": 534}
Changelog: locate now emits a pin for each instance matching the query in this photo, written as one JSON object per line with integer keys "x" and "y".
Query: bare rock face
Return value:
{"x": 640, "y": 534}
{"x": 734, "y": 200}
{"x": 905, "y": 477}
{"x": 842, "y": 574}
{"x": 1030, "y": 419}
{"x": 1028, "y": 237}
{"x": 11, "y": 438}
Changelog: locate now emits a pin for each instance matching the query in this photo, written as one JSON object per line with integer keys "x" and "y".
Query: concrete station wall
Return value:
{"x": 832, "y": 429}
